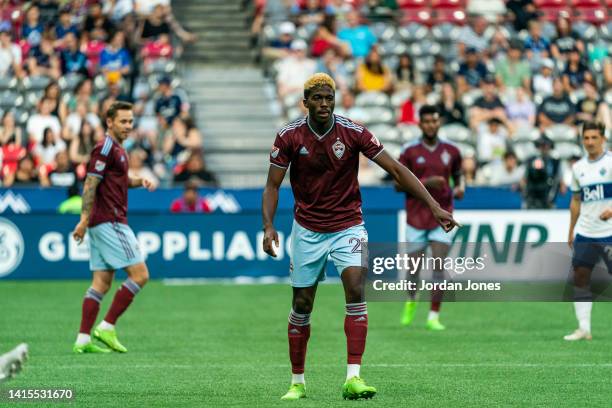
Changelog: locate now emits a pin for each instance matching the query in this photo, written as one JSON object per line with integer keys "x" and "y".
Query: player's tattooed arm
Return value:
{"x": 89, "y": 195}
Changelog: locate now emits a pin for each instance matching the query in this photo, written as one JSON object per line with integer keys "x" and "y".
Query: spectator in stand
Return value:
{"x": 380, "y": 10}
{"x": 487, "y": 106}
{"x": 451, "y": 111}
{"x": 543, "y": 81}
{"x": 32, "y": 29}
{"x": 11, "y": 140}
{"x": 46, "y": 151}
{"x": 194, "y": 168}
{"x": 159, "y": 49}
{"x": 359, "y": 36}
{"x": 306, "y": 12}
{"x": 513, "y": 71}
{"x": 10, "y": 53}
{"x": 543, "y": 177}
{"x": 556, "y": 108}
{"x": 83, "y": 93}
{"x": 492, "y": 140}
{"x": 280, "y": 47}
{"x": 138, "y": 168}
{"x": 491, "y": 10}
{"x": 73, "y": 60}
{"x": 333, "y": 65}
{"x": 26, "y": 173}
{"x": 168, "y": 105}
{"x": 471, "y": 72}
{"x": 520, "y": 13}
{"x": 521, "y": 112}
{"x": 74, "y": 122}
{"x": 60, "y": 174}
{"x": 182, "y": 136}
{"x": 409, "y": 111}
{"x": 95, "y": 43}
{"x": 406, "y": 75}
{"x": 565, "y": 41}
{"x": 96, "y": 19}
{"x": 43, "y": 61}
{"x": 472, "y": 36}
{"x": 325, "y": 38}
{"x": 536, "y": 47}
{"x": 506, "y": 173}
{"x": 82, "y": 145}
{"x": 576, "y": 72}
{"x": 49, "y": 12}
{"x": 438, "y": 75}
{"x": 115, "y": 60}
{"x": 294, "y": 70}
{"x": 190, "y": 202}
{"x": 117, "y": 10}
{"x": 469, "y": 168}
{"x": 592, "y": 107}
{"x": 64, "y": 27}
{"x": 54, "y": 93}
{"x": 42, "y": 120}
{"x": 154, "y": 25}
{"x": 372, "y": 75}
{"x": 347, "y": 105}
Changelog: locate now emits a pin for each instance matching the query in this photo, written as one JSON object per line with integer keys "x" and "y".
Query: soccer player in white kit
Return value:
{"x": 590, "y": 233}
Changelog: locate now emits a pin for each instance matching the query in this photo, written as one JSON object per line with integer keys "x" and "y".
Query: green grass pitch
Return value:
{"x": 225, "y": 345}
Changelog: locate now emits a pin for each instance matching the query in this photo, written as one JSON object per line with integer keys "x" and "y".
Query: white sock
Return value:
{"x": 104, "y": 325}
{"x": 583, "y": 314}
{"x": 83, "y": 339}
{"x": 297, "y": 379}
{"x": 352, "y": 370}
{"x": 433, "y": 315}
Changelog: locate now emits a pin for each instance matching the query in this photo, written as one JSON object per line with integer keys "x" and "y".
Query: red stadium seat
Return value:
{"x": 592, "y": 15}
{"x": 454, "y": 16}
{"x": 585, "y": 3}
{"x": 550, "y": 3}
{"x": 413, "y": 4}
{"x": 553, "y": 13}
{"x": 452, "y": 4}
{"x": 608, "y": 3}
{"x": 422, "y": 16}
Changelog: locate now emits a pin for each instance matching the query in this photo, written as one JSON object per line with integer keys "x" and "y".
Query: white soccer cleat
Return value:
{"x": 578, "y": 334}
{"x": 11, "y": 362}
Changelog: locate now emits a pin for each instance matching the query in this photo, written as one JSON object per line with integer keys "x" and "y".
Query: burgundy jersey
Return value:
{"x": 442, "y": 160}
{"x": 323, "y": 171}
{"x": 110, "y": 163}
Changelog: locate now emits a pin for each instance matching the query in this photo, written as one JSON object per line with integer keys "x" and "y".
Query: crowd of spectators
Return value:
{"x": 63, "y": 62}
{"x": 502, "y": 73}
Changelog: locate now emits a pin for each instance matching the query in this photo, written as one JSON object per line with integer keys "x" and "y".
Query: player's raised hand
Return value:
{"x": 445, "y": 219}
{"x": 79, "y": 232}
{"x": 148, "y": 184}
{"x": 270, "y": 237}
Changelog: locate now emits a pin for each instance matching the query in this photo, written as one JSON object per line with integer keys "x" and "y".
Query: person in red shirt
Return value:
{"x": 434, "y": 162}
{"x": 323, "y": 152}
{"x": 190, "y": 202}
{"x": 112, "y": 243}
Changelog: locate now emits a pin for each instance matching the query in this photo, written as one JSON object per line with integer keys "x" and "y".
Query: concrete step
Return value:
{"x": 242, "y": 143}
{"x": 216, "y": 57}
{"x": 206, "y": 5}
{"x": 211, "y": 22}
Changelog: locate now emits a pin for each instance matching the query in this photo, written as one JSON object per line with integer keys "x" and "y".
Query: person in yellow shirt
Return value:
{"x": 373, "y": 75}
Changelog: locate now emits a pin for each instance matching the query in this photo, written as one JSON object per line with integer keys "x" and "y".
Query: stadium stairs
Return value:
{"x": 228, "y": 92}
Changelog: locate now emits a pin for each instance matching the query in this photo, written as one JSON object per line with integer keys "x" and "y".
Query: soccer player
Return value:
{"x": 590, "y": 232}
{"x": 434, "y": 162}
{"x": 11, "y": 362}
{"x": 112, "y": 243}
{"x": 323, "y": 151}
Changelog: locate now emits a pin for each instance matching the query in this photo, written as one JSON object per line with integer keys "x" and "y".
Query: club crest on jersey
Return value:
{"x": 445, "y": 157}
{"x": 303, "y": 151}
{"x": 274, "y": 152}
{"x": 602, "y": 171}
{"x": 100, "y": 165}
{"x": 338, "y": 149}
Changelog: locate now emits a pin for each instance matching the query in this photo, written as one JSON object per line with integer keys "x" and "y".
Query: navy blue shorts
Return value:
{"x": 589, "y": 251}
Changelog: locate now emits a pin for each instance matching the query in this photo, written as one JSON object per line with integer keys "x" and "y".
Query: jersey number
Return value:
{"x": 357, "y": 244}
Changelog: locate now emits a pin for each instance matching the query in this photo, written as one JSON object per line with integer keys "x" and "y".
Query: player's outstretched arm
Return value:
{"x": 268, "y": 207}
{"x": 135, "y": 182}
{"x": 410, "y": 183}
{"x": 89, "y": 195}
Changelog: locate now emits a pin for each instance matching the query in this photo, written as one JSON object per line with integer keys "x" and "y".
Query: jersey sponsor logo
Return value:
{"x": 100, "y": 165}
{"x": 445, "y": 156}
{"x": 12, "y": 247}
{"x": 303, "y": 151}
{"x": 420, "y": 160}
{"x": 338, "y": 149}
{"x": 593, "y": 193}
{"x": 375, "y": 141}
{"x": 274, "y": 152}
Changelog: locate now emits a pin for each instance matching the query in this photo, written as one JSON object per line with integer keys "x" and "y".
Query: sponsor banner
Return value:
{"x": 38, "y": 246}
{"x": 229, "y": 201}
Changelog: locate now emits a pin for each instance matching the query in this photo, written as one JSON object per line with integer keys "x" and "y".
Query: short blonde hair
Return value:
{"x": 316, "y": 81}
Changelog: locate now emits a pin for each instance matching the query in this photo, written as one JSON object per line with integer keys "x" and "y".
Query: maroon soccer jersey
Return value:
{"x": 442, "y": 160}
{"x": 323, "y": 171}
{"x": 110, "y": 163}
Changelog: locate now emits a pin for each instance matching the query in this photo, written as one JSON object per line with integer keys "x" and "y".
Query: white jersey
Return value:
{"x": 592, "y": 179}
